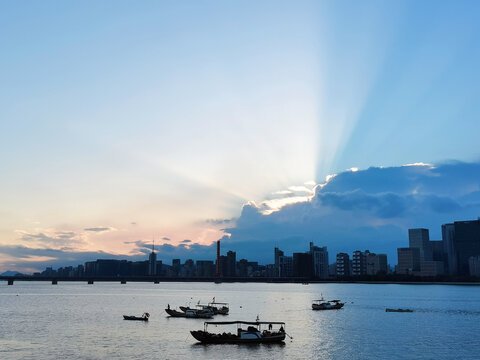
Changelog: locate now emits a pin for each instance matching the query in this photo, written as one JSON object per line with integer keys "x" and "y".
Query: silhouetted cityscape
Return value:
{"x": 457, "y": 255}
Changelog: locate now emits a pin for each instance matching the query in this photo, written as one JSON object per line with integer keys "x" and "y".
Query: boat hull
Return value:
{"x": 126, "y": 317}
{"x": 188, "y": 314}
{"x": 333, "y": 307}
{"x": 208, "y": 338}
{"x": 398, "y": 310}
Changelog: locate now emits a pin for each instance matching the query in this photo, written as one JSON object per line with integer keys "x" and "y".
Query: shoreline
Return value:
{"x": 123, "y": 280}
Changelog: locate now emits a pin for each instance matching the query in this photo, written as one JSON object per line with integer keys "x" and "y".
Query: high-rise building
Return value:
{"x": 343, "y": 264}
{"x": 448, "y": 231}
{"x": 359, "y": 263}
{"x": 376, "y": 263}
{"x": 420, "y": 238}
{"x": 302, "y": 265}
{"x": 461, "y": 241}
{"x": 277, "y": 254}
{"x": 285, "y": 265}
{"x": 176, "y": 265}
{"x": 430, "y": 255}
{"x": 231, "y": 264}
{"x": 408, "y": 261}
{"x": 152, "y": 263}
{"x": 320, "y": 261}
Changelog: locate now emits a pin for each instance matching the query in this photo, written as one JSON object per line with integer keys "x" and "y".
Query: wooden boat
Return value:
{"x": 216, "y": 307}
{"x": 398, "y": 310}
{"x": 321, "y": 304}
{"x": 144, "y": 317}
{"x": 191, "y": 313}
{"x": 252, "y": 334}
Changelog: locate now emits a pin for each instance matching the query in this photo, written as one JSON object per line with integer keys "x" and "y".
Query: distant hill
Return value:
{"x": 10, "y": 273}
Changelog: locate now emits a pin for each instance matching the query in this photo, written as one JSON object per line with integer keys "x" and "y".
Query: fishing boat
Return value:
{"x": 398, "y": 310}
{"x": 191, "y": 313}
{"x": 321, "y": 304}
{"x": 252, "y": 334}
{"x": 144, "y": 317}
{"x": 217, "y": 308}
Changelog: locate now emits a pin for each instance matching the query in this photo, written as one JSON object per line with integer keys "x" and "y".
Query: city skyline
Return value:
{"x": 261, "y": 124}
{"x": 456, "y": 255}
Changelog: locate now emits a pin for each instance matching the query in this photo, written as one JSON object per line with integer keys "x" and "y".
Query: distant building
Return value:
{"x": 109, "y": 267}
{"x": 139, "y": 268}
{"x": 436, "y": 250}
{"x": 277, "y": 254}
{"x": 302, "y": 265}
{"x": 188, "y": 269}
{"x": 359, "y": 263}
{"x": 461, "y": 242}
{"x": 242, "y": 268}
{"x": 176, "y": 266}
{"x": 431, "y": 268}
{"x": 408, "y": 261}
{"x": 474, "y": 266}
{"x": 320, "y": 261}
{"x": 420, "y": 238}
{"x": 343, "y": 265}
{"x": 430, "y": 260}
{"x": 285, "y": 266}
{"x": 205, "y": 268}
{"x": 228, "y": 264}
{"x": 231, "y": 264}
{"x": 376, "y": 263}
{"x": 152, "y": 263}
{"x": 448, "y": 235}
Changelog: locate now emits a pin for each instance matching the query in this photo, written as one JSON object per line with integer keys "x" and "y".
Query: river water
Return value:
{"x": 81, "y": 321}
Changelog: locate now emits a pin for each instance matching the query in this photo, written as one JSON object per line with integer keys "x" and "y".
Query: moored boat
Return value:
{"x": 252, "y": 334}
{"x": 144, "y": 317}
{"x": 216, "y": 307}
{"x": 190, "y": 313}
{"x": 321, "y": 304}
{"x": 398, "y": 310}
{"x": 219, "y": 308}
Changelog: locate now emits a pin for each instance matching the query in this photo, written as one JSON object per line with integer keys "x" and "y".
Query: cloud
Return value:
{"x": 219, "y": 221}
{"x": 50, "y": 238}
{"x": 100, "y": 229}
{"x": 165, "y": 238}
{"x": 362, "y": 209}
{"x": 186, "y": 241}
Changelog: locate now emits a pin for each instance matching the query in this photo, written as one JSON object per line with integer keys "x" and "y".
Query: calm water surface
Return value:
{"x": 80, "y": 321}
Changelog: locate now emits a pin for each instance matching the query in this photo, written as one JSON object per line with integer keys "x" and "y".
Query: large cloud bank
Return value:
{"x": 367, "y": 209}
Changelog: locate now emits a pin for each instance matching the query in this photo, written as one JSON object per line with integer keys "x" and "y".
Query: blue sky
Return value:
{"x": 159, "y": 119}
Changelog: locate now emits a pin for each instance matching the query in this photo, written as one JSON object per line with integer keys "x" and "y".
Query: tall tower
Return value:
{"x": 218, "y": 258}
{"x": 152, "y": 261}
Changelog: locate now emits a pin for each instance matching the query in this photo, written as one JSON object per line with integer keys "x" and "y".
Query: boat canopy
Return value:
{"x": 218, "y": 303}
{"x": 243, "y": 322}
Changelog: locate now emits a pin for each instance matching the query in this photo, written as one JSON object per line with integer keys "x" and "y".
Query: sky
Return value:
{"x": 260, "y": 123}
